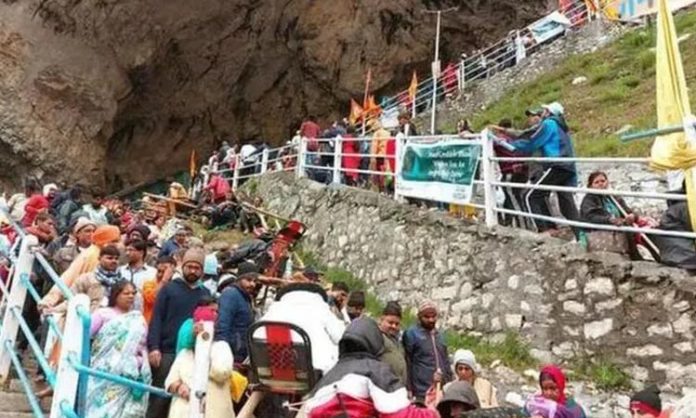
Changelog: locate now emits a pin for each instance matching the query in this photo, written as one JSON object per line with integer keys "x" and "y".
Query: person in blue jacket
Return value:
{"x": 551, "y": 139}
{"x": 236, "y": 311}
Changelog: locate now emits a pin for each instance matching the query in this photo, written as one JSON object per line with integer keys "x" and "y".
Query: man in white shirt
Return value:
{"x": 136, "y": 271}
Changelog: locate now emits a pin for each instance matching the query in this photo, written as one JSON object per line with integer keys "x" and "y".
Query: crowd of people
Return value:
{"x": 153, "y": 287}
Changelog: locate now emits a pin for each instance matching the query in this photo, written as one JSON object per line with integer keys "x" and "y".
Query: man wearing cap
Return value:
{"x": 426, "y": 353}
{"x": 236, "y": 310}
{"x": 175, "y": 243}
{"x": 175, "y": 303}
{"x": 553, "y": 140}
{"x": 79, "y": 240}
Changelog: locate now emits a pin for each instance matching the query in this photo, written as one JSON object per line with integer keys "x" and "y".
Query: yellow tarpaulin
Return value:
{"x": 674, "y": 151}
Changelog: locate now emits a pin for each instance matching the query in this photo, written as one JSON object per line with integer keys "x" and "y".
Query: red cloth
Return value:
{"x": 357, "y": 407}
{"x": 35, "y": 204}
{"x": 219, "y": 187}
{"x": 449, "y": 78}
{"x": 204, "y": 313}
{"x": 559, "y": 378}
{"x": 309, "y": 129}
{"x": 510, "y": 167}
{"x": 391, "y": 152}
{"x": 350, "y": 147}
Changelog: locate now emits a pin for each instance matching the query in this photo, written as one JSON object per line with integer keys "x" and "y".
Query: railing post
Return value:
{"x": 301, "y": 158}
{"x": 264, "y": 160}
{"x": 398, "y": 150}
{"x": 338, "y": 151}
{"x": 488, "y": 173}
{"x": 18, "y": 293}
{"x": 235, "y": 173}
{"x": 72, "y": 349}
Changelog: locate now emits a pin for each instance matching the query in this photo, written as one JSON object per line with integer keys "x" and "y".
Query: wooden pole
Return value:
{"x": 169, "y": 199}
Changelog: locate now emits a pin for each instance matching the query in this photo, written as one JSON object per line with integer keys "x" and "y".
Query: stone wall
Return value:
{"x": 565, "y": 302}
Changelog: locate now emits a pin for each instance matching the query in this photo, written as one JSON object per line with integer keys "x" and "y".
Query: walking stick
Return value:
{"x": 643, "y": 236}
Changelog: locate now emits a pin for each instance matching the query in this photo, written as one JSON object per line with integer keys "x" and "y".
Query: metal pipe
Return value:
{"x": 604, "y": 192}
{"x": 28, "y": 390}
{"x": 67, "y": 411}
{"x": 38, "y": 353}
{"x": 24, "y": 279}
{"x": 52, "y": 274}
{"x": 651, "y": 133}
{"x": 573, "y": 160}
{"x": 133, "y": 384}
{"x": 587, "y": 225}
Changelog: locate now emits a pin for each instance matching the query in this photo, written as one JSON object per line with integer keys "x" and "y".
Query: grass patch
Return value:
{"x": 604, "y": 373}
{"x": 619, "y": 91}
{"x": 512, "y": 351}
{"x": 231, "y": 236}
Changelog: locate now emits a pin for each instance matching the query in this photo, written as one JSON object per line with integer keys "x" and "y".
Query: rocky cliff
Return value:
{"x": 112, "y": 92}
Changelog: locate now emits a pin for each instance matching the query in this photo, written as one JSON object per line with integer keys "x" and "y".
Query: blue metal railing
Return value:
{"x": 78, "y": 360}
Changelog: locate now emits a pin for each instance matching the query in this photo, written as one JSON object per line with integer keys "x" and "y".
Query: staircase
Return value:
{"x": 13, "y": 401}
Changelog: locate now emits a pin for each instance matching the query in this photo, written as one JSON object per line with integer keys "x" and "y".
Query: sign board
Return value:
{"x": 634, "y": 9}
{"x": 549, "y": 27}
{"x": 441, "y": 169}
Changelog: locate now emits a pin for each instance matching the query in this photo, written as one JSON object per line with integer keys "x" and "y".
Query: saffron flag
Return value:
{"x": 676, "y": 151}
{"x": 413, "y": 88}
{"x": 355, "y": 112}
{"x": 372, "y": 108}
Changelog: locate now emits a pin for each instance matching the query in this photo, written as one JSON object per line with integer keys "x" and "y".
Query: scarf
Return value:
{"x": 107, "y": 278}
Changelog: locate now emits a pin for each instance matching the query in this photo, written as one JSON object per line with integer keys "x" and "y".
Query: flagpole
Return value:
{"x": 436, "y": 63}
{"x": 367, "y": 89}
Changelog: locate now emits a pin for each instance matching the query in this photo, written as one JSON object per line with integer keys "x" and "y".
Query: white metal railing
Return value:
{"x": 505, "y": 53}
{"x": 336, "y": 171}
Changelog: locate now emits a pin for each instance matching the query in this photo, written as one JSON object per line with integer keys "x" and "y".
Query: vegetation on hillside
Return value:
{"x": 619, "y": 91}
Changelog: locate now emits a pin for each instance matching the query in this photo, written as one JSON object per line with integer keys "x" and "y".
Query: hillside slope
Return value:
{"x": 619, "y": 91}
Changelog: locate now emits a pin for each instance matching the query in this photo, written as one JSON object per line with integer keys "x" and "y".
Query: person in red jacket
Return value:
{"x": 35, "y": 204}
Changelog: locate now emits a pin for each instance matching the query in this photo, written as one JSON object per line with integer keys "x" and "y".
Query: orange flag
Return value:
{"x": 413, "y": 88}
{"x": 355, "y": 112}
{"x": 372, "y": 108}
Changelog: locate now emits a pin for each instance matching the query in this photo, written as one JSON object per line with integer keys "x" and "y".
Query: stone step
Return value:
{"x": 5, "y": 414}
{"x": 17, "y": 402}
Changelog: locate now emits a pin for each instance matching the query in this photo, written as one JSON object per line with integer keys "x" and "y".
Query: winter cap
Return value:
{"x": 458, "y": 392}
{"x": 356, "y": 299}
{"x": 533, "y": 112}
{"x": 555, "y": 108}
{"x": 82, "y": 222}
{"x": 247, "y": 269}
{"x": 194, "y": 255}
{"x": 311, "y": 274}
{"x": 143, "y": 230}
{"x": 51, "y": 187}
{"x": 106, "y": 234}
{"x": 647, "y": 401}
{"x": 467, "y": 358}
{"x": 427, "y": 305}
{"x": 180, "y": 230}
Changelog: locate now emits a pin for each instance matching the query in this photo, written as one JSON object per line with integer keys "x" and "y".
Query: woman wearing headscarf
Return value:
{"x": 646, "y": 403}
{"x": 553, "y": 402}
{"x": 118, "y": 348}
{"x": 180, "y": 379}
{"x": 467, "y": 369}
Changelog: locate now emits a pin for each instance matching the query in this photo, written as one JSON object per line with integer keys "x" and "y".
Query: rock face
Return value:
{"x": 114, "y": 92}
{"x": 566, "y": 302}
